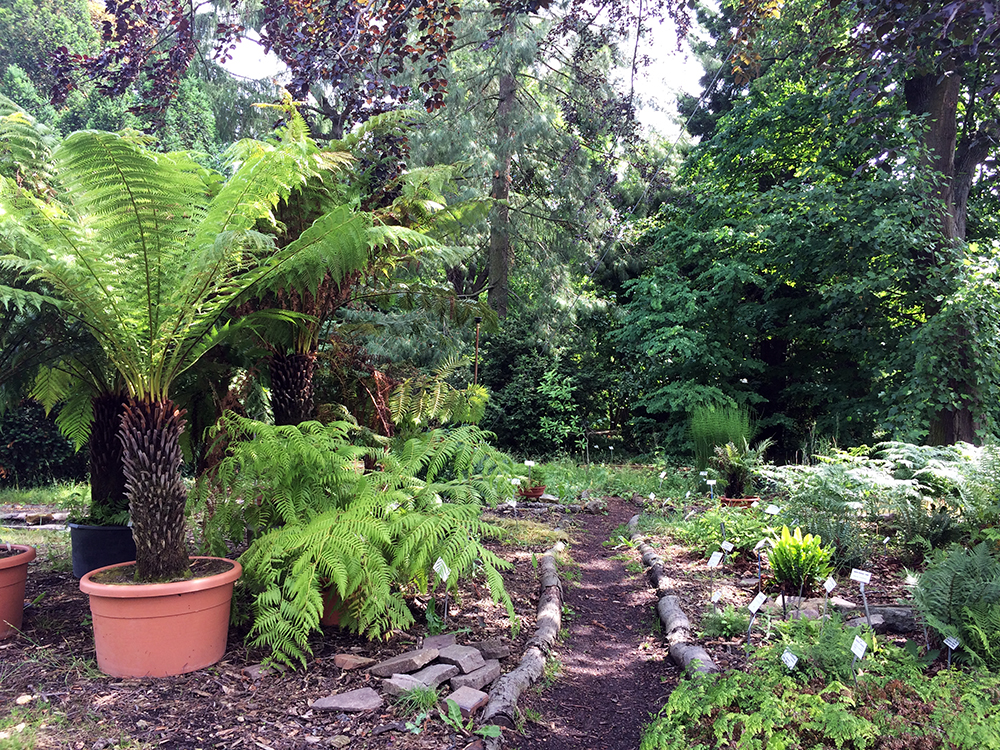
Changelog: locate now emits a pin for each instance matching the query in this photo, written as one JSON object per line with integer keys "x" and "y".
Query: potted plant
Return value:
{"x": 151, "y": 252}
{"x": 14, "y": 559}
{"x": 534, "y": 487}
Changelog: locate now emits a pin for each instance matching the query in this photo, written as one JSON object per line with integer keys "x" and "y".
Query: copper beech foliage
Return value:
{"x": 355, "y": 48}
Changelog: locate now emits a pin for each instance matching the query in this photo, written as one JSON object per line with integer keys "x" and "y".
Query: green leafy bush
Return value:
{"x": 799, "y": 561}
{"x": 959, "y": 595}
{"x": 33, "y": 452}
{"x": 703, "y": 533}
{"x": 316, "y": 519}
{"x": 738, "y": 464}
{"x": 728, "y": 622}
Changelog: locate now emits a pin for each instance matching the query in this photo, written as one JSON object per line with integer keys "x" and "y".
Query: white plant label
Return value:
{"x": 716, "y": 596}
{"x": 885, "y": 541}
{"x": 790, "y": 659}
{"x": 728, "y": 546}
{"x": 859, "y": 647}
{"x": 760, "y": 545}
{"x": 715, "y": 559}
{"x": 861, "y": 576}
{"x": 829, "y": 584}
{"x": 754, "y": 504}
{"x": 703, "y": 473}
{"x": 710, "y": 482}
{"x": 663, "y": 475}
{"x": 442, "y": 569}
{"x": 772, "y": 510}
{"x": 757, "y": 602}
{"x": 951, "y": 642}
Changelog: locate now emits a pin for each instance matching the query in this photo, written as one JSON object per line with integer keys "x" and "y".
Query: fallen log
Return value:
{"x": 502, "y": 707}
{"x": 685, "y": 653}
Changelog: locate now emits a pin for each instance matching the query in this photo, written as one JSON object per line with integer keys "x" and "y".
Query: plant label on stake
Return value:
{"x": 772, "y": 510}
{"x": 858, "y": 648}
{"x": 952, "y": 643}
{"x": 754, "y": 607}
{"x": 444, "y": 572}
{"x": 790, "y": 659}
{"x": 863, "y": 577}
{"x": 828, "y": 585}
{"x": 713, "y": 562}
{"x": 716, "y": 595}
{"x": 757, "y": 548}
{"x": 711, "y": 487}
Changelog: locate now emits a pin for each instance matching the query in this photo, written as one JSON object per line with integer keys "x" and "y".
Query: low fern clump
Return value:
{"x": 316, "y": 519}
{"x": 892, "y": 704}
{"x": 959, "y": 595}
{"x": 799, "y": 561}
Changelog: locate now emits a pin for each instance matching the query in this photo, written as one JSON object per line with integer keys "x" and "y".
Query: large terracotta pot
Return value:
{"x": 97, "y": 546}
{"x": 13, "y": 576}
{"x": 160, "y": 629}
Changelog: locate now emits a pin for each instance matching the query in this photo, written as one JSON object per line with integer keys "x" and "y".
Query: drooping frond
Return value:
{"x": 25, "y": 147}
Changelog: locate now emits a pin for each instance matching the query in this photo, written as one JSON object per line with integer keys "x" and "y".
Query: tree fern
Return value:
{"x": 318, "y": 521}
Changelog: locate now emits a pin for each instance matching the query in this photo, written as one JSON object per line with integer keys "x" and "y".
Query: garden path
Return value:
{"x": 613, "y": 668}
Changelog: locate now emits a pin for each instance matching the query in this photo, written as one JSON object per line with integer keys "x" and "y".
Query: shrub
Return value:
{"x": 33, "y": 452}
{"x": 728, "y": 622}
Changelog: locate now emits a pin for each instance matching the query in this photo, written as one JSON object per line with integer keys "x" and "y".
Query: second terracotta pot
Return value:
{"x": 161, "y": 629}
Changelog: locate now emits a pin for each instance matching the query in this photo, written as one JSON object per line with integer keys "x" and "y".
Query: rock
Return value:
{"x": 478, "y": 679}
{"x": 475, "y": 745}
{"x": 469, "y": 700}
{"x": 493, "y": 648}
{"x": 340, "y": 740}
{"x": 842, "y": 605}
{"x": 348, "y": 662}
{"x": 256, "y": 671}
{"x": 806, "y": 613}
{"x": 434, "y": 674}
{"x": 897, "y": 619}
{"x": 399, "y": 684}
{"x": 439, "y": 641}
{"x": 878, "y": 624}
{"x": 545, "y": 497}
{"x": 748, "y": 583}
{"x": 466, "y": 658}
{"x": 354, "y": 701}
{"x": 405, "y": 663}
{"x": 595, "y": 506}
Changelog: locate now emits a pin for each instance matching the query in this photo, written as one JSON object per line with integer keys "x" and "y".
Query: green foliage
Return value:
{"x": 33, "y": 452}
{"x": 431, "y": 400}
{"x": 799, "y": 561}
{"x": 959, "y": 595}
{"x": 703, "y": 533}
{"x": 319, "y": 519}
{"x": 728, "y": 622}
{"x": 417, "y": 700}
{"x": 713, "y": 428}
{"x": 767, "y": 707}
{"x": 738, "y": 464}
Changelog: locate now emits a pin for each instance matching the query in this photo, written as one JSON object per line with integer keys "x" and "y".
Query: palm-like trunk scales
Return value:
{"x": 152, "y": 458}
{"x": 292, "y": 388}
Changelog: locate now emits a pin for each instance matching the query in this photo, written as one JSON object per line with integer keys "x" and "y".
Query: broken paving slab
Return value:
{"x": 469, "y": 700}
{"x": 348, "y": 662}
{"x": 405, "y": 663}
{"x": 466, "y": 658}
{"x": 434, "y": 674}
{"x": 399, "y": 684}
{"x": 439, "y": 641}
{"x": 492, "y": 648}
{"x": 354, "y": 701}
{"x": 479, "y": 678}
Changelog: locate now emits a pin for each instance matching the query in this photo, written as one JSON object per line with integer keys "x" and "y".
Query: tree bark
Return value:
{"x": 500, "y": 245}
{"x": 292, "y": 395}
{"x": 152, "y": 458}
{"x": 107, "y": 472}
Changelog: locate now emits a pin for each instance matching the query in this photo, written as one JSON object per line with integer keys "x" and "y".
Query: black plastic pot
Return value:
{"x": 97, "y": 546}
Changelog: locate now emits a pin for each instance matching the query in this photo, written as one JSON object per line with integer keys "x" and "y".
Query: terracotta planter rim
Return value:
{"x": 27, "y": 554}
{"x": 143, "y": 590}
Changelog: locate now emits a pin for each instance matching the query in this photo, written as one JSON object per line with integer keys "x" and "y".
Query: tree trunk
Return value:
{"x": 500, "y": 246}
{"x": 292, "y": 388}
{"x": 152, "y": 459}
{"x": 107, "y": 473}
{"x": 936, "y": 95}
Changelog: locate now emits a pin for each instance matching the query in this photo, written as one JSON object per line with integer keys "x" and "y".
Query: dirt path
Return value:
{"x": 614, "y": 670}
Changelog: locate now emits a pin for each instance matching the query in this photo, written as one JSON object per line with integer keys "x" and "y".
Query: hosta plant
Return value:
{"x": 799, "y": 561}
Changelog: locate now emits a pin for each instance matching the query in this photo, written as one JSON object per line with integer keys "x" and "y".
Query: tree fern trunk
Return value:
{"x": 152, "y": 459}
{"x": 292, "y": 388}
{"x": 107, "y": 475}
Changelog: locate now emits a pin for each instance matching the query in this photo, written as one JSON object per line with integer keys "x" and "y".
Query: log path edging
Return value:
{"x": 502, "y": 707}
{"x": 685, "y": 653}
